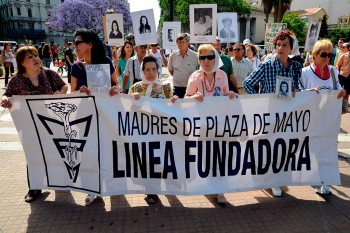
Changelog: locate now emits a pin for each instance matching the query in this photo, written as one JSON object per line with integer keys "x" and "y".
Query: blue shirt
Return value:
{"x": 266, "y": 74}
{"x": 79, "y": 72}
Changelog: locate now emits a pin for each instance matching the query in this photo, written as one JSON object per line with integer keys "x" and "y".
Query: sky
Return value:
{"x": 138, "y": 5}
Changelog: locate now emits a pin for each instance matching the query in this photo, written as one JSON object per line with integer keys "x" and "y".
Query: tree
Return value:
{"x": 280, "y": 7}
{"x": 337, "y": 33}
{"x": 181, "y": 9}
{"x": 74, "y": 14}
{"x": 324, "y": 28}
{"x": 296, "y": 24}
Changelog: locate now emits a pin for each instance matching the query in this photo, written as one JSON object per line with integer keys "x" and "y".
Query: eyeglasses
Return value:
{"x": 143, "y": 46}
{"x": 237, "y": 50}
{"x": 77, "y": 42}
{"x": 154, "y": 45}
{"x": 209, "y": 57}
{"x": 324, "y": 55}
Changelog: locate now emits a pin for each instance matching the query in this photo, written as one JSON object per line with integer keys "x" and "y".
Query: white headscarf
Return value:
{"x": 150, "y": 83}
{"x": 217, "y": 65}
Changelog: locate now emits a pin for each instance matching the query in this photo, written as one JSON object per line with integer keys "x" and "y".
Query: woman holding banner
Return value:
{"x": 150, "y": 87}
{"x": 32, "y": 79}
{"x": 319, "y": 75}
{"x": 86, "y": 43}
{"x": 209, "y": 80}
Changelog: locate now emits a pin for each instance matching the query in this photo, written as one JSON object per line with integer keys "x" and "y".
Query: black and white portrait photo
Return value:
{"x": 203, "y": 22}
{"x": 144, "y": 27}
{"x": 170, "y": 31}
{"x": 115, "y": 32}
{"x": 114, "y": 29}
{"x": 171, "y": 35}
{"x": 312, "y": 35}
{"x": 283, "y": 87}
{"x": 227, "y": 27}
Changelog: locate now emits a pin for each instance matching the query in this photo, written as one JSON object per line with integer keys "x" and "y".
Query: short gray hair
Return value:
{"x": 182, "y": 36}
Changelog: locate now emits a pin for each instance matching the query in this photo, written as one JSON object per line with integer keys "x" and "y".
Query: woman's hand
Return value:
{"x": 232, "y": 95}
{"x": 198, "y": 96}
{"x": 5, "y": 102}
{"x": 136, "y": 95}
{"x": 174, "y": 98}
{"x": 114, "y": 91}
{"x": 315, "y": 89}
{"x": 341, "y": 94}
{"x": 84, "y": 89}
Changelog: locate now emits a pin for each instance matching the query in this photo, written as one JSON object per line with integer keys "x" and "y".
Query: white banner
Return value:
{"x": 117, "y": 145}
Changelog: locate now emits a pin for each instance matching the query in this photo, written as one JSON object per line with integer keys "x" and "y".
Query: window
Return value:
{"x": 20, "y": 25}
{"x": 31, "y": 26}
{"x": 28, "y": 0}
{"x": 18, "y": 11}
{"x": 47, "y": 1}
{"x": 29, "y": 13}
{"x": 11, "y": 11}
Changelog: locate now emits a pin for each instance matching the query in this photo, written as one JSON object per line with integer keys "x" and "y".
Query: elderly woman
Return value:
{"x": 251, "y": 52}
{"x": 279, "y": 65}
{"x": 32, "y": 79}
{"x": 209, "y": 80}
{"x": 320, "y": 75}
{"x": 150, "y": 87}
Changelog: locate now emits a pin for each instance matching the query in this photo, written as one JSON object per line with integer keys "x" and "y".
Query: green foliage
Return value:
{"x": 337, "y": 33}
{"x": 296, "y": 24}
{"x": 324, "y": 28}
{"x": 182, "y": 9}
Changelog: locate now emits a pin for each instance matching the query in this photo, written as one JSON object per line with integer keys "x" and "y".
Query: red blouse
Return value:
{"x": 21, "y": 85}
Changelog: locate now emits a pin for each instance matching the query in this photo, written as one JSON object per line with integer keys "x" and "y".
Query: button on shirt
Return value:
{"x": 183, "y": 67}
{"x": 129, "y": 69}
{"x": 266, "y": 74}
{"x": 241, "y": 70}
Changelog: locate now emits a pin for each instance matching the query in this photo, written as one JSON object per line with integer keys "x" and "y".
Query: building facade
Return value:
{"x": 24, "y": 21}
{"x": 334, "y": 8}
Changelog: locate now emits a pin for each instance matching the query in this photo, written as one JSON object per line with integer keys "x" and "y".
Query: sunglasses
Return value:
{"x": 230, "y": 49}
{"x": 209, "y": 57}
{"x": 77, "y": 42}
{"x": 154, "y": 45}
{"x": 324, "y": 55}
{"x": 237, "y": 50}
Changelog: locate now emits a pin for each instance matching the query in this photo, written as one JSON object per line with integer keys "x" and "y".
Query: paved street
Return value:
{"x": 299, "y": 210}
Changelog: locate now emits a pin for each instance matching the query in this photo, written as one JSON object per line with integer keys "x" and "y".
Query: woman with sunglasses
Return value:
{"x": 320, "y": 75}
{"x": 89, "y": 48}
{"x": 209, "y": 80}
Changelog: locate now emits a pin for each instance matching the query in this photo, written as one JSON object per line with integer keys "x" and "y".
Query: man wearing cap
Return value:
{"x": 242, "y": 67}
{"x": 108, "y": 48}
{"x": 133, "y": 67}
{"x": 182, "y": 63}
{"x": 227, "y": 67}
{"x": 226, "y": 32}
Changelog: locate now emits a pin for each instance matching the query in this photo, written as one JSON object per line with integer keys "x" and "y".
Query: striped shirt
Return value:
{"x": 241, "y": 70}
{"x": 266, "y": 74}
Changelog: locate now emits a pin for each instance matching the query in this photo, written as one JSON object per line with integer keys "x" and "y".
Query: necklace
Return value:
{"x": 212, "y": 84}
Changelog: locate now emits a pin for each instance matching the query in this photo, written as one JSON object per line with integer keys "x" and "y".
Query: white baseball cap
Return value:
{"x": 246, "y": 41}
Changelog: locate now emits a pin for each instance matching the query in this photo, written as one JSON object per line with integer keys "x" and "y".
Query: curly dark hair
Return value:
{"x": 123, "y": 54}
{"x": 282, "y": 36}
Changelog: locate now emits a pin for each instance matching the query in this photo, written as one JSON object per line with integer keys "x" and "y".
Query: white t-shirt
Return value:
{"x": 159, "y": 61}
{"x": 310, "y": 80}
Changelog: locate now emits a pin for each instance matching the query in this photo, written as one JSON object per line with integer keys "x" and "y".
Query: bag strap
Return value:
{"x": 133, "y": 70}
{"x": 333, "y": 78}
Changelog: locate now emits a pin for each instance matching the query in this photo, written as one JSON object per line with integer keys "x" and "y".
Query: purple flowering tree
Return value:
{"x": 74, "y": 14}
